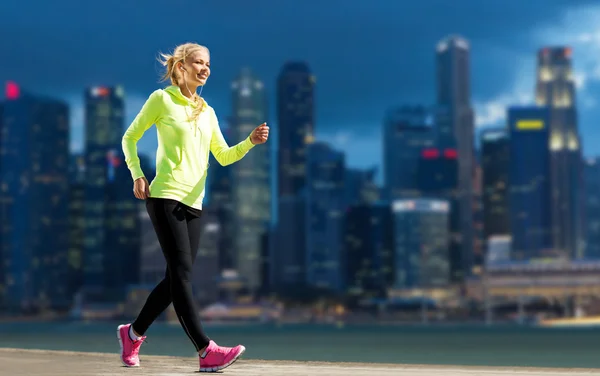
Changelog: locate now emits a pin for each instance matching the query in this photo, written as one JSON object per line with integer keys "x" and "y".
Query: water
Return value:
{"x": 457, "y": 345}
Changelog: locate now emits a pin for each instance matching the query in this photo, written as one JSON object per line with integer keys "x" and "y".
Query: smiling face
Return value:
{"x": 196, "y": 68}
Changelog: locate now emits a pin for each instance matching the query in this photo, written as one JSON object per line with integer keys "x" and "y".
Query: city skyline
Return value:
{"x": 321, "y": 225}
{"x": 353, "y": 93}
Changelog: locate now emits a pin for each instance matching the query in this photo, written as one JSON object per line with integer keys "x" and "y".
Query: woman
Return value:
{"x": 187, "y": 129}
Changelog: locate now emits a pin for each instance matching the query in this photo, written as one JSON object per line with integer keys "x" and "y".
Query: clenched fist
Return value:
{"x": 260, "y": 134}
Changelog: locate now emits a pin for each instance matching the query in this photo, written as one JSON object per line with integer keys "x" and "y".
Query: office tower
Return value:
{"x": 325, "y": 203}
{"x": 455, "y": 127}
{"x": 265, "y": 263}
{"x": 369, "y": 250}
{"x": 104, "y": 112}
{"x": 530, "y": 183}
{"x": 295, "y": 122}
{"x": 220, "y": 201}
{"x": 76, "y": 222}
{"x": 495, "y": 165}
{"x": 407, "y": 130}
{"x": 34, "y": 189}
{"x": 251, "y": 178}
{"x": 152, "y": 261}
{"x": 361, "y": 187}
{"x": 478, "y": 243}
{"x": 421, "y": 233}
{"x": 206, "y": 265}
{"x": 555, "y": 89}
{"x": 122, "y": 229}
{"x": 592, "y": 208}
{"x": 438, "y": 178}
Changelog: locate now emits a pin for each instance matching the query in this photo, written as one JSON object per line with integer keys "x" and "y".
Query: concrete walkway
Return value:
{"x": 19, "y": 362}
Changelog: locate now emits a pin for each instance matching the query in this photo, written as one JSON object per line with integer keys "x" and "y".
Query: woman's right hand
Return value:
{"x": 141, "y": 188}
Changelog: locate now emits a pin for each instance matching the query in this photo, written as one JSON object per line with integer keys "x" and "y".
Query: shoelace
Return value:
{"x": 222, "y": 350}
{"x": 136, "y": 349}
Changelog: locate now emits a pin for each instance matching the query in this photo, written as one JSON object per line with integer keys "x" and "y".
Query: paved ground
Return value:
{"x": 15, "y": 362}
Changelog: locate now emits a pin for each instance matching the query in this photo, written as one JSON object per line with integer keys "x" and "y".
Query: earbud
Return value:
{"x": 181, "y": 67}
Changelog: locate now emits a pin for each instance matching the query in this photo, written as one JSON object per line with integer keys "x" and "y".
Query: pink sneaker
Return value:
{"x": 218, "y": 357}
{"x": 129, "y": 348}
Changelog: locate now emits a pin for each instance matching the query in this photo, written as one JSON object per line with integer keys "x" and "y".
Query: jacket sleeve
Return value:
{"x": 225, "y": 154}
{"x": 147, "y": 116}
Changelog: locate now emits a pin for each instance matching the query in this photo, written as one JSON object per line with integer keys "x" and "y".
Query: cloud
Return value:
{"x": 493, "y": 112}
{"x": 573, "y": 30}
{"x": 579, "y": 29}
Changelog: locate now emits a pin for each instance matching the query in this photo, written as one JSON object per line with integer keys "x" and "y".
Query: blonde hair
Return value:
{"x": 179, "y": 55}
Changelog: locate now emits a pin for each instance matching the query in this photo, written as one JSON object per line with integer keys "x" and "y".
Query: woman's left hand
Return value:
{"x": 260, "y": 134}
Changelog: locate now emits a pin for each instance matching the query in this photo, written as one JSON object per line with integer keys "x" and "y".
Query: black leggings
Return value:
{"x": 178, "y": 230}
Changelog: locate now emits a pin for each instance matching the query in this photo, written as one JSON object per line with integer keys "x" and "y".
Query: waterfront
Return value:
{"x": 448, "y": 344}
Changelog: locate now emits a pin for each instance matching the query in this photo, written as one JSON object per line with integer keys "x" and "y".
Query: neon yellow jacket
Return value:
{"x": 183, "y": 147}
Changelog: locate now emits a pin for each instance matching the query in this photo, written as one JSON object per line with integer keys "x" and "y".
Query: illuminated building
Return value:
{"x": 438, "y": 178}
{"x": 368, "y": 258}
{"x": 34, "y": 189}
{"x": 407, "y": 130}
{"x": 592, "y": 208}
{"x": 361, "y": 187}
{"x": 529, "y": 182}
{"x": 495, "y": 163}
{"x": 495, "y": 155}
{"x": 555, "y": 89}
{"x": 220, "y": 202}
{"x": 250, "y": 179}
{"x": 421, "y": 239}
{"x": 295, "y": 131}
{"x": 455, "y": 128}
{"x": 111, "y": 242}
{"x": 325, "y": 203}
{"x": 295, "y": 122}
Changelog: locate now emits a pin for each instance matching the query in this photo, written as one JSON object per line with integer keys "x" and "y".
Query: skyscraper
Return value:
{"x": 530, "y": 184}
{"x": 368, "y": 258}
{"x": 361, "y": 187}
{"x": 592, "y": 208}
{"x": 251, "y": 178}
{"x": 421, "y": 233}
{"x": 495, "y": 165}
{"x": 122, "y": 230}
{"x": 221, "y": 204}
{"x": 555, "y": 89}
{"x": 34, "y": 172}
{"x": 478, "y": 236}
{"x": 295, "y": 121}
{"x": 104, "y": 112}
{"x": 407, "y": 130}
{"x": 455, "y": 126}
{"x": 206, "y": 266}
{"x": 325, "y": 203}
{"x": 76, "y": 221}
{"x": 438, "y": 178}
{"x": 295, "y": 115}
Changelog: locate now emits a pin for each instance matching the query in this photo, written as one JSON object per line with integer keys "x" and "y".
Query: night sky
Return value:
{"x": 366, "y": 55}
